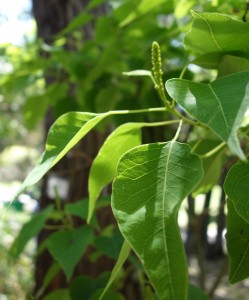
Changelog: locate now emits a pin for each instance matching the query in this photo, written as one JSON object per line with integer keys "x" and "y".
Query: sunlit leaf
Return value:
{"x": 103, "y": 168}
{"x": 64, "y": 134}
{"x": 152, "y": 182}
{"x": 237, "y": 244}
{"x": 220, "y": 104}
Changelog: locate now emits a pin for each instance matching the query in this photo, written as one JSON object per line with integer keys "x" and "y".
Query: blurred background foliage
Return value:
{"x": 81, "y": 70}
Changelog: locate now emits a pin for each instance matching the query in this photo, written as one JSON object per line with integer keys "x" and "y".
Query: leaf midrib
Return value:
{"x": 163, "y": 218}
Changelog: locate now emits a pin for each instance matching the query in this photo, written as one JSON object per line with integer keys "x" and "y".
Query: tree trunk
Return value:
{"x": 51, "y": 17}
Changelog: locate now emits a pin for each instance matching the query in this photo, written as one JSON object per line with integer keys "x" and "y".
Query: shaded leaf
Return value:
{"x": 214, "y": 32}
{"x": 152, "y": 182}
{"x": 103, "y": 168}
{"x": 195, "y": 293}
{"x": 237, "y": 244}
{"x": 230, "y": 64}
{"x": 211, "y": 166}
{"x": 124, "y": 253}
{"x": 221, "y": 104}
{"x": 68, "y": 246}
{"x": 88, "y": 285}
{"x": 237, "y": 188}
{"x": 62, "y": 294}
{"x": 30, "y": 230}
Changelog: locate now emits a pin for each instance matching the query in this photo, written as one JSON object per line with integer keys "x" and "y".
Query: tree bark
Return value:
{"x": 51, "y": 17}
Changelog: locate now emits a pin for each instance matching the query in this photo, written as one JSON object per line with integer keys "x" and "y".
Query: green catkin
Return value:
{"x": 157, "y": 70}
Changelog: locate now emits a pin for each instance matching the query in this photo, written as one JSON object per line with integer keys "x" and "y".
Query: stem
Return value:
{"x": 178, "y": 131}
{"x": 213, "y": 151}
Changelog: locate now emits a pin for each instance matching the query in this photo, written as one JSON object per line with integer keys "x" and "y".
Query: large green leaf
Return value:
{"x": 220, "y": 104}
{"x": 68, "y": 246}
{"x": 237, "y": 244}
{"x": 237, "y": 188}
{"x": 152, "y": 181}
{"x": 64, "y": 134}
{"x": 103, "y": 168}
{"x": 29, "y": 230}
{"x": 213, "y": 32}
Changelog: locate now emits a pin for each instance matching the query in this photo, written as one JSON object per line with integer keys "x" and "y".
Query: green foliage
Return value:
{"x": 150, "y": 180}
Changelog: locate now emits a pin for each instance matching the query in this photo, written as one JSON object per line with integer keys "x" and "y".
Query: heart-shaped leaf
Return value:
{"x": 237, "y": 244}
{"x": 237, "y": 188}
{"x": 68, "y": 246}
{"x": 152, "y": 181}
{"x": 221, "y": 104}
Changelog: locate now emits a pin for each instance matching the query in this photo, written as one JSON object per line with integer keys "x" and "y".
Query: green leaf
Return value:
{"x": 80, "y": 209}
{"x": 220, "y": 104}
{"x": 64, "y": 134}
{"x": 87, "y": 285}
{"x": 237, "y": 188}
{"x": 142, "y": 8}
{"x": 152, "y": 182}
{"x": 124, "y": 253}
{"x": 230, "y": 64}
{"x": 211, "y": 166}
{"x": 237, "y": 244}
{"x": 110, "y": 245}
{"x": 103, "y": 168}
{"x": 195, "y": 293}
{"x": 62, "y": 294}
{"x": 68, "y": 246}
{"x": 213, "y": 32}
{"x": 29, "y": 230}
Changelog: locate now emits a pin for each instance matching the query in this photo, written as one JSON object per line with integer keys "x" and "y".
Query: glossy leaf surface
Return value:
{"x": 152, "y": 181}
{"x": 221, "y": 104}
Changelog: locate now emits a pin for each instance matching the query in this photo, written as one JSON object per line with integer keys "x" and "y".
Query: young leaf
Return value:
{"x": 103, "y": 168}
{"x": 237, "y": 188}
{"x": 237, "y": 244}
{"x": 152, "y": 182}
{"x": 213, "y": 32}
{"x": 220, "y": 104}
{"x": 124, "y": 253}
{"x": 29, "y": 230}
{"x": 68, "y": 246}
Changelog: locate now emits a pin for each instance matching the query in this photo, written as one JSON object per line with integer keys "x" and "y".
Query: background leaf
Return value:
{"x": 221, "y": 104}
{"x": 237, "y": 188}
{"x": 68, "y": 246}
{"x": 152, "y": 181}
{"x": 124, "y": 253}
{"x": 29, "y": 230}
{"x": 237, "y": 244}
{"x": 214, "y": 32}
